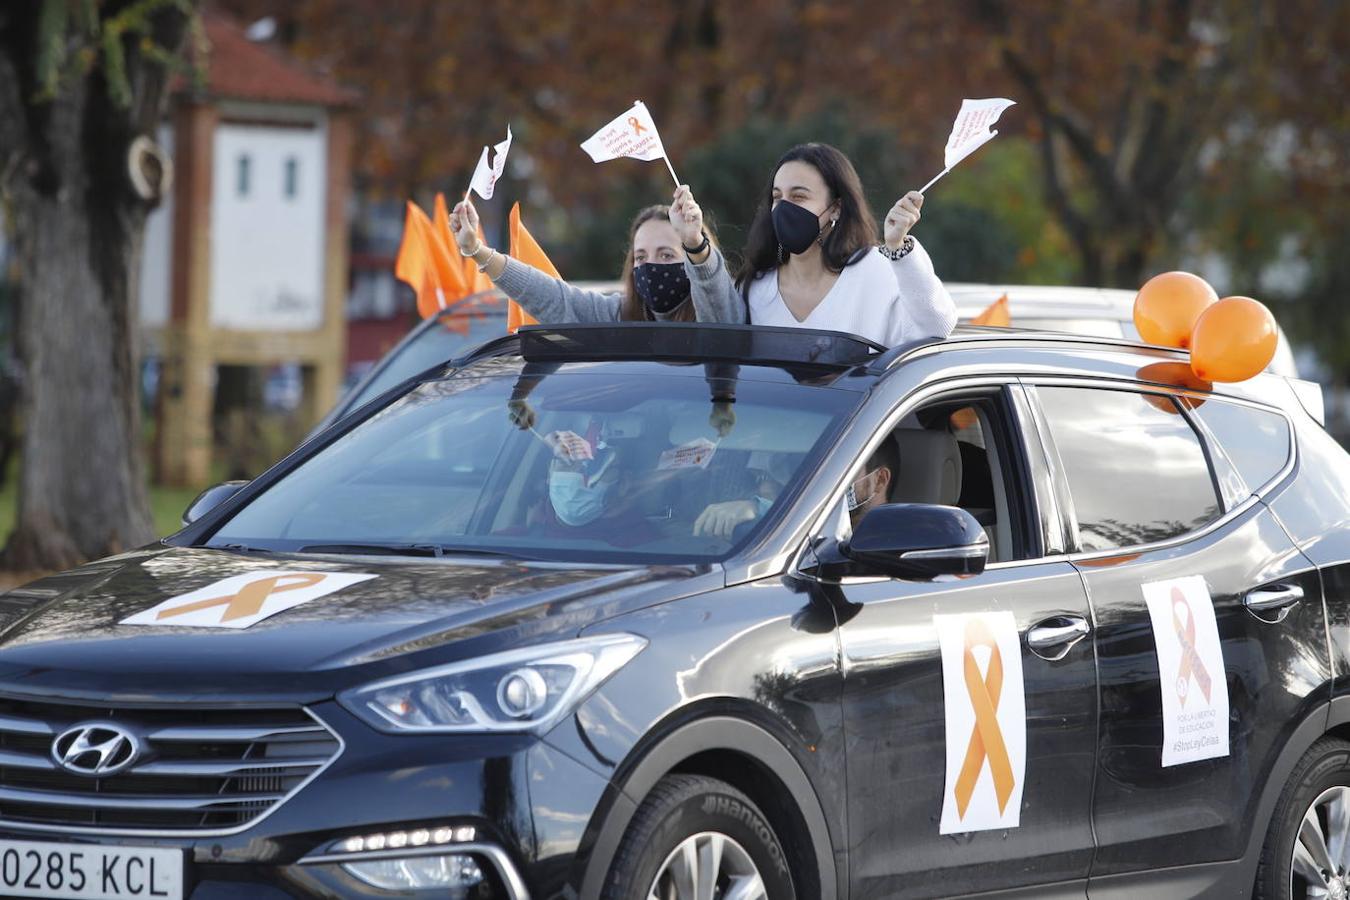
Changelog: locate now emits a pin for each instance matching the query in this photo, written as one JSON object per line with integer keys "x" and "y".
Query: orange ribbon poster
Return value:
{"x": 1192, "y": 667}
{"x": 1191, "y": 685}
{"x": 985, "y": 701}
{"x": 243, "y": 600}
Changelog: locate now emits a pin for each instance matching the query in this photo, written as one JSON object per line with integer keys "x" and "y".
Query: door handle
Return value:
{"x": 1054, "y": 637}
{"x": 1271, "y": 598}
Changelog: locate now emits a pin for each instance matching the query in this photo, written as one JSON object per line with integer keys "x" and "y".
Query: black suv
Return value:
{"x": 683, "y": 611}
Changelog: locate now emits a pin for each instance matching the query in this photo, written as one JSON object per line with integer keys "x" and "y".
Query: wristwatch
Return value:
{"x": 905, "y": 246}
{"x": 700, "y": 248}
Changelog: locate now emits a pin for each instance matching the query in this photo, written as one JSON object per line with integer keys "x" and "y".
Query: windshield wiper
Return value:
{"x": 238, "y": 548}
{"x": 436, "y": 550}
{"x": 388, "y": 549}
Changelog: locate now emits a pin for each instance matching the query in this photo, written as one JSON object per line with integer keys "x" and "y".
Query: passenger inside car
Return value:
{"x": 590, "y": 493}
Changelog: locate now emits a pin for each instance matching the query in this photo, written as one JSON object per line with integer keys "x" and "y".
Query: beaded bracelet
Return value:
{"x": 905, "y": 247}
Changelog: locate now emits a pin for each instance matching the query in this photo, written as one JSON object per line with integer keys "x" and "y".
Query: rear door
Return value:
{"x": 1210, "y": 632}
{"x": 920, "y": 824}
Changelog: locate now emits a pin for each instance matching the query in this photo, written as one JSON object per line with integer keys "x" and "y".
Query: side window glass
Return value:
{"x": 1136, "y": 469}
{"x": 1256, "y": 441}
{"x": 949, "y": 454}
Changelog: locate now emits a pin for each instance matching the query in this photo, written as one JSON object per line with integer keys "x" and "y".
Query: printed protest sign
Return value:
{"x": 986, "y": 717}
{"x": 1191, "y": 672}
{"x": 243, "y": 600}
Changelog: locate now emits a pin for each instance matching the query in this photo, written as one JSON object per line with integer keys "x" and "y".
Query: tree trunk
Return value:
{"x": 78, "y": 225}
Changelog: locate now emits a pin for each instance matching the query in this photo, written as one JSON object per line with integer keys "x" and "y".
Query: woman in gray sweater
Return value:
{"x": 656, "y": 275}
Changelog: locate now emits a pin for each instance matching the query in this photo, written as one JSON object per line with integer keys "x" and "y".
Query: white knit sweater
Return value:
{"x": 890, "y": 302}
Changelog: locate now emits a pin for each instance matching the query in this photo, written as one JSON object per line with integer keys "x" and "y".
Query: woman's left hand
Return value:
{"x": 686, "y": 217}
{"x": 903, "y": 216}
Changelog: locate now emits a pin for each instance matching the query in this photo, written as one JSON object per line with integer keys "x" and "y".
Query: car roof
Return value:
{"x": 1044, "y": 300}
{"x": 863, "y": 362}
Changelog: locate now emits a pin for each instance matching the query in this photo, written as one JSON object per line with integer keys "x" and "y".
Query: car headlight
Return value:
{"x": 529, "y": 689}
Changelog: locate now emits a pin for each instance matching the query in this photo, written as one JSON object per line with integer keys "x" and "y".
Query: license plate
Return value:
{"x": 104, "y": 872}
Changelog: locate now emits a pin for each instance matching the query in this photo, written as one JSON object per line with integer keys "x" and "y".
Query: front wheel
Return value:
{"x": 697, "y": 838}
{"x": 1306, "y": 855}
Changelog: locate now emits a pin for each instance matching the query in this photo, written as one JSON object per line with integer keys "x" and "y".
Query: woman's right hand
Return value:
{"x": 464, "y": 226}
{"x": 686, "y": 216}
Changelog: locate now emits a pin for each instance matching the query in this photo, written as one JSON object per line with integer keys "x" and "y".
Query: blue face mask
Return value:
{"x": 574, "y": 502}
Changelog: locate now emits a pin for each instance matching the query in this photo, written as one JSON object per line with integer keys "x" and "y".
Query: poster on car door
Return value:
{"x": 986, "y": 715}
{"x": 1190, "y": 667}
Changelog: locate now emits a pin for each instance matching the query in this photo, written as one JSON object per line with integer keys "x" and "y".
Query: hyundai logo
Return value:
{"x": 96, "y": 749}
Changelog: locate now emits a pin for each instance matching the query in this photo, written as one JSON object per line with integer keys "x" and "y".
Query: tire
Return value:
{"x": 1296, "y": 863}
{"x": 682, "y": 823}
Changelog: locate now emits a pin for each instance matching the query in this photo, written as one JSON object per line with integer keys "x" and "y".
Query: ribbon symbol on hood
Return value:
{"x": 1192, "y": 666}
{"x": 986, "y": 738}
{"x": 249, "y": 599}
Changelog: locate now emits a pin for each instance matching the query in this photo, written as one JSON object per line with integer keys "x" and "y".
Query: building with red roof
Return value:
{"x": 246, "y": 260}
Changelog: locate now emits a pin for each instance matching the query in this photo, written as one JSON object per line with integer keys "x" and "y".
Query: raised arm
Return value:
{"x": 714, "y": 296}
{"x": 548, "y": 299}
{"x": 928, "y": 306}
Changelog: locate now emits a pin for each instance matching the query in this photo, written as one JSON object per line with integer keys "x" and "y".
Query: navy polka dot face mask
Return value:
{"x": 662, "y": 286}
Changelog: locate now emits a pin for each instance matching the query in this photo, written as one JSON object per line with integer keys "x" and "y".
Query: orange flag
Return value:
{"x": 527, "y": 250}
{"x": 450, "y": 264}
{"x": 416, "y": 264}
{"x": 995, "y": 313}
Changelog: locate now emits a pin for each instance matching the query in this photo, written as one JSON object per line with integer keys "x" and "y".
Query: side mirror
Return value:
{"x": 210, "y": 498}
{"x": 910, "y": 540}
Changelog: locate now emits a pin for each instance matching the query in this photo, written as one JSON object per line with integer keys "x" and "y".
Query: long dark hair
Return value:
{"x": 631, "y": 308}
{"x": 855, "y": 230}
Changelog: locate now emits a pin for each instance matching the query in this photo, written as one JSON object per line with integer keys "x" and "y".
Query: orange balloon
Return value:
{"x": 1168, "y": 305}
{"x": 1178, "y": 375}
{"x": 1234, "y": 340}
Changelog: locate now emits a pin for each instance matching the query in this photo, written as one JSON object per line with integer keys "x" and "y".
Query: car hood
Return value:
{"x": 69, "y": 634}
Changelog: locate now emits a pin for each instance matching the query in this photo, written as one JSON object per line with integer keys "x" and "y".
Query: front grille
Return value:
{"x": 199, "y": 769}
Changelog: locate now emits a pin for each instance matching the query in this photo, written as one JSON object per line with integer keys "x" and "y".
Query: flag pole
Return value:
{"x": 924, "y": 189}
{"x": 670, "y": 168}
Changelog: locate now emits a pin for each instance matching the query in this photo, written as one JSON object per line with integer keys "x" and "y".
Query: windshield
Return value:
{"x": 589, "y": 465}
{"x": 454, "y": 333}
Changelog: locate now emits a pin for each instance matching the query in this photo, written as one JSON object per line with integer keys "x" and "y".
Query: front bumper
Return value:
{"x": 477, "y": 787}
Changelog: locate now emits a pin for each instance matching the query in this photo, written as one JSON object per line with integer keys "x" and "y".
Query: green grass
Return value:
{"x": 166, "y": 505}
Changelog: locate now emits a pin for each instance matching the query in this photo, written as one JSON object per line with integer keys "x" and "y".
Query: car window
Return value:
{"x": 955, "y": 453}
{"x": 1256, "y": 441}
{"x": 1136, "y": 469}
{"x": 451, "y": 336}
{"x": 489, "y": 463}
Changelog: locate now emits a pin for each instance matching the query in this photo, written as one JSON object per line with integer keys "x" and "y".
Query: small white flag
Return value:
{"x": 973, "y": 128}
{"x": 971, "y": 131}
{"x": 632, "y": 134}
{"x": 485, "y": 177}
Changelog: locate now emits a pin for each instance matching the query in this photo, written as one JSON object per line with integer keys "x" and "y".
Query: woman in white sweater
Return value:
{"x": 812, "y": 258}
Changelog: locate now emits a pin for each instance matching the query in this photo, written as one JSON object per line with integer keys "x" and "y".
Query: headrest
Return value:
{"x": 930, "y": 467}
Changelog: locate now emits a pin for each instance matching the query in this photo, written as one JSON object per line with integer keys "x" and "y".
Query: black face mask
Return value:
{"x": 796, "y": 227}
{"x": 662, "y": 286}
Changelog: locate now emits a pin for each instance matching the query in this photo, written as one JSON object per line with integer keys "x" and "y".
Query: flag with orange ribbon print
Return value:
{"x": 1190, "y": 667}
{"x": 986, "y": 716}
{"x": 632, "y": 134}
{"x": 243, "y": 600}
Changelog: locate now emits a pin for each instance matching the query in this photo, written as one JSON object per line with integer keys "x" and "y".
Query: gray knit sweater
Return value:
{"x": 551, "y": 300}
